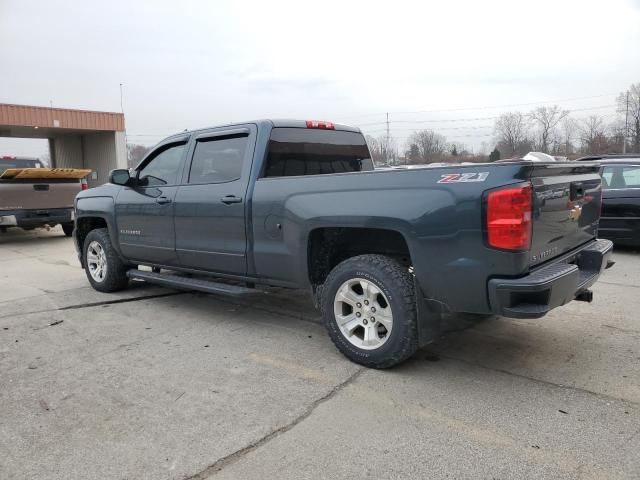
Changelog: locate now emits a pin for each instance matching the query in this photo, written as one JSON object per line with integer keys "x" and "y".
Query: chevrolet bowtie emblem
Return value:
{"x": 575, "y": 212}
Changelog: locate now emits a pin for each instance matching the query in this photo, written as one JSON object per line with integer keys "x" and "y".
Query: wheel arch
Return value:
{"x": 86, "y": 224}
{"x": 328, "y": 246}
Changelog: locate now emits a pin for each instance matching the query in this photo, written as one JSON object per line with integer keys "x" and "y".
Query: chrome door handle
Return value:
{"x": 163, "y": 200}
{"x": 229, "y": 199}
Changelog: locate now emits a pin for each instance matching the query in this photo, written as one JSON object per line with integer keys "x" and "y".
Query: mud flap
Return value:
{"x": 429, "y": 314}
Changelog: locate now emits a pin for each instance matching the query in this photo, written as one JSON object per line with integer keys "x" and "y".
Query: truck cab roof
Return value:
{"x": 268, "y": 123}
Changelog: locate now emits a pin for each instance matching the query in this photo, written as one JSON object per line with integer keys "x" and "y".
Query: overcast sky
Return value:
{"x": 188, "y": 64}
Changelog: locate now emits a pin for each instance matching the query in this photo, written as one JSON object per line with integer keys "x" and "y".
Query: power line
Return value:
{"x": 468, "y": 119}
{"x": 489, "y": 107}
{"x": 390, "y": 128}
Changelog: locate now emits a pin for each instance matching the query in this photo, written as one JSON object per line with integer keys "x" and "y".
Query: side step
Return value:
{"x": 180, "y": 282}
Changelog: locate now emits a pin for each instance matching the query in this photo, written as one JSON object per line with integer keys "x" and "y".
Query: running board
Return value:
{"x": 188, "y": 283}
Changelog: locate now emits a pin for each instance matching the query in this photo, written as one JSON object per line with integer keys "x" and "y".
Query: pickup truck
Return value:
{"x": 32, "y": 196}
{"x": 386, "y": 254}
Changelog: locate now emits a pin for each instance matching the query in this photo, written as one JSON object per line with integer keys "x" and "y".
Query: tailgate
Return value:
{"x": 566, "y": 208}
{"x": 38, "y": 195}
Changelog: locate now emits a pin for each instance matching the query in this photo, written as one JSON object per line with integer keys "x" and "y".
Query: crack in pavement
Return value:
{"x": 96, "y": 304}
{"x": 232, "y": 458}
{"x": 120, "y": 300}
{"x": 301, "y": 317}
{"x": 603, "y": 396}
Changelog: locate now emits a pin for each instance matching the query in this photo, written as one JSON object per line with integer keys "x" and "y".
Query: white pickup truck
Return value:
{"x": 32, "y": 196}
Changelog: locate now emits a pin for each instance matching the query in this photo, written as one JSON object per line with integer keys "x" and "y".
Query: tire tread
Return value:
{"x": 116, "y": 278}
{"x": 400, "y": 276}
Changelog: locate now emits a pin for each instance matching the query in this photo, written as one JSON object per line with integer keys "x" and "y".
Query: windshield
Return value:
{"x": 19, "y": 163}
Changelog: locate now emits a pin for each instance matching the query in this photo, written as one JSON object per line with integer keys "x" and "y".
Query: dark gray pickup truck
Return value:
{"x": 385, "y": 253}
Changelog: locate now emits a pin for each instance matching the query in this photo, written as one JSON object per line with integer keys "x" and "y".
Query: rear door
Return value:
{"x": 144, "y": 213}
{"x": 566, "y": 208}
{"x": 211, "y": 203}
{"x": 621, "y": 203}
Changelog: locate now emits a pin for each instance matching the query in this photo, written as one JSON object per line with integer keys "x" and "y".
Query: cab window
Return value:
{"x": 218, "y": 159}
{"x": 618, "y": 176}
{"x": 163, "y": 168}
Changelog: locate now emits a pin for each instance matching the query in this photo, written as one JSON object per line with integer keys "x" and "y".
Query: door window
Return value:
{"x": 218, "y": 159}
{"x": 621, "y": 177}
{"x": 163, "y": 169}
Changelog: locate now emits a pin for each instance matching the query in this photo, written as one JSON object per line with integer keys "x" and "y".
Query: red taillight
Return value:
{"x": 320, "y": 124}
{"x": 509, "y": 218}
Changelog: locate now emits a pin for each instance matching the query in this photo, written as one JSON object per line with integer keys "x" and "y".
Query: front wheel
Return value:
{"x": 104, "y": 269}
{"x": 369, "y": 309}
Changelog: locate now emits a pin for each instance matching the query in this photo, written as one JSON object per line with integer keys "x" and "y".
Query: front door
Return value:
{"x": 210, "y": 205}
{"x": 144, "y": 212}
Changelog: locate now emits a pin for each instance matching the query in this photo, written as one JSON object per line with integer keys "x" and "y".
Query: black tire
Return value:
{"x": 116, "y": 272}
{"x": 67, "y": 228}
{"x": 395, "y": 281}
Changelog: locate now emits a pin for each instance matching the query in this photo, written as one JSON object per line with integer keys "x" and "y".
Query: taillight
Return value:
{"x": 509, "y": 218}
{"x": 320, "y": 124}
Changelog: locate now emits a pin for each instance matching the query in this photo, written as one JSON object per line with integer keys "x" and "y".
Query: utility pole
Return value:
{"x": 121, "y": 104}
{"x": 386, "y": 147}
{"x": 126, "y": 140}
{"x": 626, "y": 126}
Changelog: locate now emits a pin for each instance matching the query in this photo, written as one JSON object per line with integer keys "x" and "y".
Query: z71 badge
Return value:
{"x": 463, "y": 177}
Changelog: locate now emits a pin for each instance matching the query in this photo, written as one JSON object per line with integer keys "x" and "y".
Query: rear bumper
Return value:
{"x": 534, "y": 295}
{"x": 36, "y": 218}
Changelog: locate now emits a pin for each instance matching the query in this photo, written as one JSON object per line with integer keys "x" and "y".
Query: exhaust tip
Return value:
{"x": 585, "y": 296}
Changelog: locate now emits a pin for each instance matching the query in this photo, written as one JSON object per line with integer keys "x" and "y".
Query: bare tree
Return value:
{"x": 412, "y": 154}
{"x": 546, "y": 120}
{"x": 135, "y": 153}
{"x": 383, "y": 150}
{"x": 593, "y": 135}
{"x": 511, "y": 129}
{"x": 569, "y": 130}
{"x": 633, "y": 102}
{"x": 374, "y": 149}
{"x": 617, "y": 135}
{"x": 428, "y": 144}
{"x": 389, "y": 149}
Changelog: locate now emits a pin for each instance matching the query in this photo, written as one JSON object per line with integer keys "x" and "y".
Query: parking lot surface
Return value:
{"x": 154, "y": 383}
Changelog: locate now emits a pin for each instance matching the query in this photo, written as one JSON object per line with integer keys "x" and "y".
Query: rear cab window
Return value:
{"x": 6, "y": 164}
{"x": 300, "y": 151}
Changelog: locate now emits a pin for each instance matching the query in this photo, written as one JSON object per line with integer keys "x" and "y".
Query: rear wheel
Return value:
{"x": 67, "y": 228}
{"x": 104, "y": 269}
{"x": 369, "y": 309}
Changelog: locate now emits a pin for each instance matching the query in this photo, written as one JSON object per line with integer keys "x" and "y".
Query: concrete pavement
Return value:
{"x": 153, "y": 383}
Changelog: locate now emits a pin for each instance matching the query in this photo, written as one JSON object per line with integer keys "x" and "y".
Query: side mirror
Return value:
{"x": 120, "y": 176}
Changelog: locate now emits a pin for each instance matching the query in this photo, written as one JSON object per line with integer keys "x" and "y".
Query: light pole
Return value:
{"x": 121, "y": 104}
